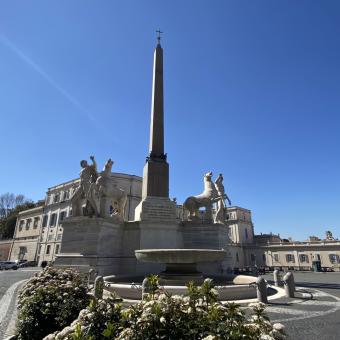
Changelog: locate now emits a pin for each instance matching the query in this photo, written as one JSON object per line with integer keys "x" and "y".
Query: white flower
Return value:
{"x": 149, "y": 303}
{"x": 278, "y": 326}
{"x": 214, "y": 291}
{"x": 161, "y": 297}
{"x": 257, "y": 305}
{"x": 48, "y": 304}
{"x": 162, "y": 320}
{"x": 266, "y": 337}
{"x": 209, "y": 337}
{"x": 177, "y": 298}
{"x": 186, "y": 299}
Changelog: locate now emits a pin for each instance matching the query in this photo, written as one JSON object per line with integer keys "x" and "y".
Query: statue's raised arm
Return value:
{"x": 94, "y": 164}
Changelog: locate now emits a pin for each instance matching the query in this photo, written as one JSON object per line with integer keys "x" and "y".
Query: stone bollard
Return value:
{"x": 146, "y": 288}
{"x": 277, "y": 278}
{"x": 98, "y": 287}
{"x": 91, "y": 271}
{"x": 261, "y": 290}
{"x": 289, "y": 283}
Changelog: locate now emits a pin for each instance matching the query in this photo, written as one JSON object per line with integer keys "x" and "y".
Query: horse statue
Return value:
{"x": 205, "y": 199}
{"x": 112, "y": 200}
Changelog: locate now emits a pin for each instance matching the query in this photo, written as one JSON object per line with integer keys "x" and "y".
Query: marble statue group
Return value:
{"x": 98, "y": 194}
{"x": 214, "y": 193}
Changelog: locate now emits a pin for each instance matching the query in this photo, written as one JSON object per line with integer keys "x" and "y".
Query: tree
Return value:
{"x": 10, "y": 206}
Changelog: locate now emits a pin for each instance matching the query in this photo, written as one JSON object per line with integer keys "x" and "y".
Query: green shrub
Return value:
{"x": 162, "y": 316}
{"x": 50, "y": 301}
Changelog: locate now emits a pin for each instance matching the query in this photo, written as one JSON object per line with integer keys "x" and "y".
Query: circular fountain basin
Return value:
{"x": 181, "y": 264}
{"x": 237, "y": 287}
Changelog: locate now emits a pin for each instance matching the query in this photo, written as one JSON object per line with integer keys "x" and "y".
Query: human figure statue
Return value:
{"x": 112, "y": 200}
{"x": 220, "y": 200}
{"x": 329, "y": 236}
{"x": 86, "y": 190}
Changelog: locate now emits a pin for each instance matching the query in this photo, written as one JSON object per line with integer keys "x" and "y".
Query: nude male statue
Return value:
{"x": 219, "y": 217}
{"x": 88, "y": 177}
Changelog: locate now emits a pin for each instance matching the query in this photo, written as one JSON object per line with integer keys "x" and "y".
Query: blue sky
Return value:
{"x": 251, "y": 91}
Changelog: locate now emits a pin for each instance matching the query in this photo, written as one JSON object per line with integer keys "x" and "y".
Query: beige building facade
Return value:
{"x": 5, "y": 248}
{"x": 26, "y": 235}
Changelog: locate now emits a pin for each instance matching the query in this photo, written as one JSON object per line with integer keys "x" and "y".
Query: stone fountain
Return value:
{"x": 179, "y": 250}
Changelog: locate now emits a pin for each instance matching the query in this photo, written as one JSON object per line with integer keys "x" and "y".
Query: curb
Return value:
{"x": 11, "y": 328}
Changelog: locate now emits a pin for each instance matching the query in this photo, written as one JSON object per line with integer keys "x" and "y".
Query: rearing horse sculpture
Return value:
{"x": 205, "y": 199}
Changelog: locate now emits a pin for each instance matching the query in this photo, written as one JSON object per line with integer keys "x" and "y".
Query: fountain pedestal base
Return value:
{"x": 180, "y": 274}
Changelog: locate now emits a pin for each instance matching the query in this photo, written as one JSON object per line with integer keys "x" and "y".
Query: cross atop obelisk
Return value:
{"x": 159, "y": 36}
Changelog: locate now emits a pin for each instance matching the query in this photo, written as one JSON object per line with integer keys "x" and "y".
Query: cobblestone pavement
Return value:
{"x": 10, "y": 283}
{"x": 314, "y": 313}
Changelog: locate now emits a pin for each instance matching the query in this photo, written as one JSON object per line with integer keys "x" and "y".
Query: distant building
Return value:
{"x": 241, "y": 229}
{"x": 5, "y": 247}
{"x": 26, "y": 235}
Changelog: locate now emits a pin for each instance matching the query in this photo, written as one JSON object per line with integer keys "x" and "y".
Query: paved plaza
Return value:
{"x": 314, "y": 313}
{"x": 10, "y": 283}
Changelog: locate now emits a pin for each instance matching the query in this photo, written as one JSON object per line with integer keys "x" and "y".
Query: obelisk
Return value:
{"x": 155, "y": 193}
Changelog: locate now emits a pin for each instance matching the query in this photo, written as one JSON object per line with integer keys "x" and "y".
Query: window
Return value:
{"x": 57, "y": 248}
{"x": 70, "y": 213}
{"x": 62, "y": 216}
{"x": 28, "y": 223}
{"x": 252, "y": 257}
{"x": 334, "y": 258}
{"x": 53, "y": 220}
{"x": 66, "y": 195}
{"x": 21, "y": 224}
{"x": 246, "y": 232}
{"x": 264, "y": 257}
{"x": 48, "y": 249}
{"x": 56, "y": 198}
{"x": 50, "y": 237}
{"x": 304, "y": 258}
{"x": 290, "y": 258}
{"x": 22, "y": 252}
{"x": 59, "y": 236}
{"x": 276, "y": 257}
{"x": 35, "y": 223}
{"x": 45, "y": 218}
{"x": 237, "y": 258}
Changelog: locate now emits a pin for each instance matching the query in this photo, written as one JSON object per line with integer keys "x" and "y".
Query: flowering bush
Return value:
{"x": 50, "y": 301}
{"x": 162, "y": 316}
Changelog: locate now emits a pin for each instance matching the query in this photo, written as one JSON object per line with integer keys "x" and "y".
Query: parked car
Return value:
{"x": 28, "y": 264}
{"x": 8, "y": 265}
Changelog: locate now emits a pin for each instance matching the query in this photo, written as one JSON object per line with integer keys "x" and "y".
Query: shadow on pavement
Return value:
{"x": 318, "y": 285}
